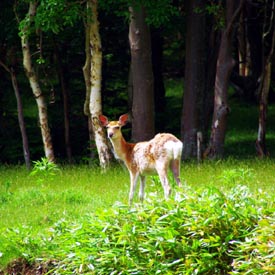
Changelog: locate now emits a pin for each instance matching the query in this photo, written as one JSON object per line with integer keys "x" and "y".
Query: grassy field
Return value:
{"x": 31, "y": 205}
{"x": 74, "y": 191}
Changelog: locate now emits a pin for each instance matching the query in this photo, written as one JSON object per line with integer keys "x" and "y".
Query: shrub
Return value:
{"x": 256, "y": 254}
{"x": 200, "y": 232}
{"x": 44, "y": 169}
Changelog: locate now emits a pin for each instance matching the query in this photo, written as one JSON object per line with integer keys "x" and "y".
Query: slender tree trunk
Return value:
{"x": 195, "y": 77}
{"x": 143, "y": 127}
{"x": 87, "y": 66}
{"x": 213, "y": 42}
{"x": 25, "y": 142}
{"x": 268, "y": 39}
{"x": 65, "y": 95}
{"x": 87, "y": 72}
{"x": 225, "y": 66}
{"x": 261, "y": 139}
{"x": 159, "y": 89}
{"x": 39, "y": 97}
{"x": 93, "y": 96}
{"x": 243, "y": 48}
{"x": 250, "y": 49}
{"x": 22, "y": 125}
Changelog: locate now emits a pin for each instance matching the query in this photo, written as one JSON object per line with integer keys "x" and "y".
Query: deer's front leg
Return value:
{"x": 133, "y": 184}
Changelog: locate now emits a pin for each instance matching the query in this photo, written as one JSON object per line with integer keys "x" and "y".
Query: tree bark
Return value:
{"x": 65, "y": 95}
{"x": 25, "y": 142}
{"x": 87, "y": 66}
{"x": 159, "y": 89}
{"x": 268, "y": 39}
{"x": 246, "y": 76}
{"x": 225, "y": 66}
{"x": 195, "y": 77}
{"x": 34, "y": 83}
{"x": 261, "y": 139}
{"x": 93, "y": 74}
{"x": 143, "y": 127}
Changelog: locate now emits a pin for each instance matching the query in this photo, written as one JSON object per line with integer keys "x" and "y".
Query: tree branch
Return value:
{"x": 5, "y": 66}
{"x": 233, "y": 18}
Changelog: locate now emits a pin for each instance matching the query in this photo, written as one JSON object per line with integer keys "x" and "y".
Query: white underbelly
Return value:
{"x": 146, "y": 168}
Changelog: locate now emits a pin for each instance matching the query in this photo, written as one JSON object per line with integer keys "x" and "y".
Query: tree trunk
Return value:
{"x": 246, "y": 76}
{"x": 142, "y": 74}
{"x": 93, "y": 96}
{"x": 25, "y": 142}
{"x": 213, "y": 42}
{"x": 268, "y": 39}
{"x": 195, "y": 77}
{"x": 225, "y": 65}
{"x": 261, "y": 139}
{"x": 65, "y": 95}
{"x": 159, "y": 89}
{"x": 87, "y": 66}
{"x": 40, "y": 99}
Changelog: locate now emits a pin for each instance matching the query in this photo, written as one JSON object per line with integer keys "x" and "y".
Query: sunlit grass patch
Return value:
{"x": 73, "y": 191}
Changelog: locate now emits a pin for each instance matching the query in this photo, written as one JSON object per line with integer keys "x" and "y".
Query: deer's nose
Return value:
{"x": 110, "y": 135}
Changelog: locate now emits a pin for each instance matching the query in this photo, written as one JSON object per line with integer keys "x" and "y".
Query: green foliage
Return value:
{"x": 198, "y": 233}
{"x": 44, "y": 169}
{"x": 51, "y": 15}
{"x": 158, "y": 12}
{"x": 54, "y": 15}
{"x": 5, "y": 193}
{"x": 256, "y": 254}
{"x": 218, "y": 13}
{"x": 232, "y": 177}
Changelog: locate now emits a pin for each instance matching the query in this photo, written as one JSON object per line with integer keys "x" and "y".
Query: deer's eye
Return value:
{"x": 117, "y": 127}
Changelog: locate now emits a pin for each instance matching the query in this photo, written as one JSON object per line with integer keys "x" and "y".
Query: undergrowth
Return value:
{"x": 206, "y": 231}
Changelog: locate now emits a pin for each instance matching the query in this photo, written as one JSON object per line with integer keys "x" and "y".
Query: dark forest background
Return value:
{"x": 212, "y": 64}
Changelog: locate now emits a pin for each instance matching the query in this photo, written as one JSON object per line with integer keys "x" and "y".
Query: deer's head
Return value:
{"x": 114, "y": 127}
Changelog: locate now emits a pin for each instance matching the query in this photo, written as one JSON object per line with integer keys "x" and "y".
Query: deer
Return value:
{"x": 145, "y": 158}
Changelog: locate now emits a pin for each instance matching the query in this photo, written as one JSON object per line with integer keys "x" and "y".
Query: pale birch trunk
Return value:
{"x": 93, "y": 82}
{"x": 40, "y": 100}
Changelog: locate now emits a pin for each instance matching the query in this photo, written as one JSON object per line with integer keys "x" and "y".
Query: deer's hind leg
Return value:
{"x": 162, "y": 172}
{"x": 175, "y": 167}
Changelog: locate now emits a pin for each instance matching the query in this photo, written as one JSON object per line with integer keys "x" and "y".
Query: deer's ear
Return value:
{"x": 104, "y": 120}
{"x": 123, "y": 119}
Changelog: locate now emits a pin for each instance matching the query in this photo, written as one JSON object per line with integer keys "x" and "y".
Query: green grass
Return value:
{"x": 72, "y": 192}
{"x": 243, "y": 129}
{"x": 30, "y": 206}
{"x": 77, "y": 190}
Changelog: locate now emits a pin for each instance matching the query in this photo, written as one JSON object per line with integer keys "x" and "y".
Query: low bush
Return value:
{"x": 256, "y": 254}
{"x": 207, "y": 231}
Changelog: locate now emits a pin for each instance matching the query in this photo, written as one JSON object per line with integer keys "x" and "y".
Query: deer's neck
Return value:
{"x": 123, "y": 149}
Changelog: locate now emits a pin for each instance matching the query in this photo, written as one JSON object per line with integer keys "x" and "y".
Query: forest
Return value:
{"x": 174, "y": 66}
